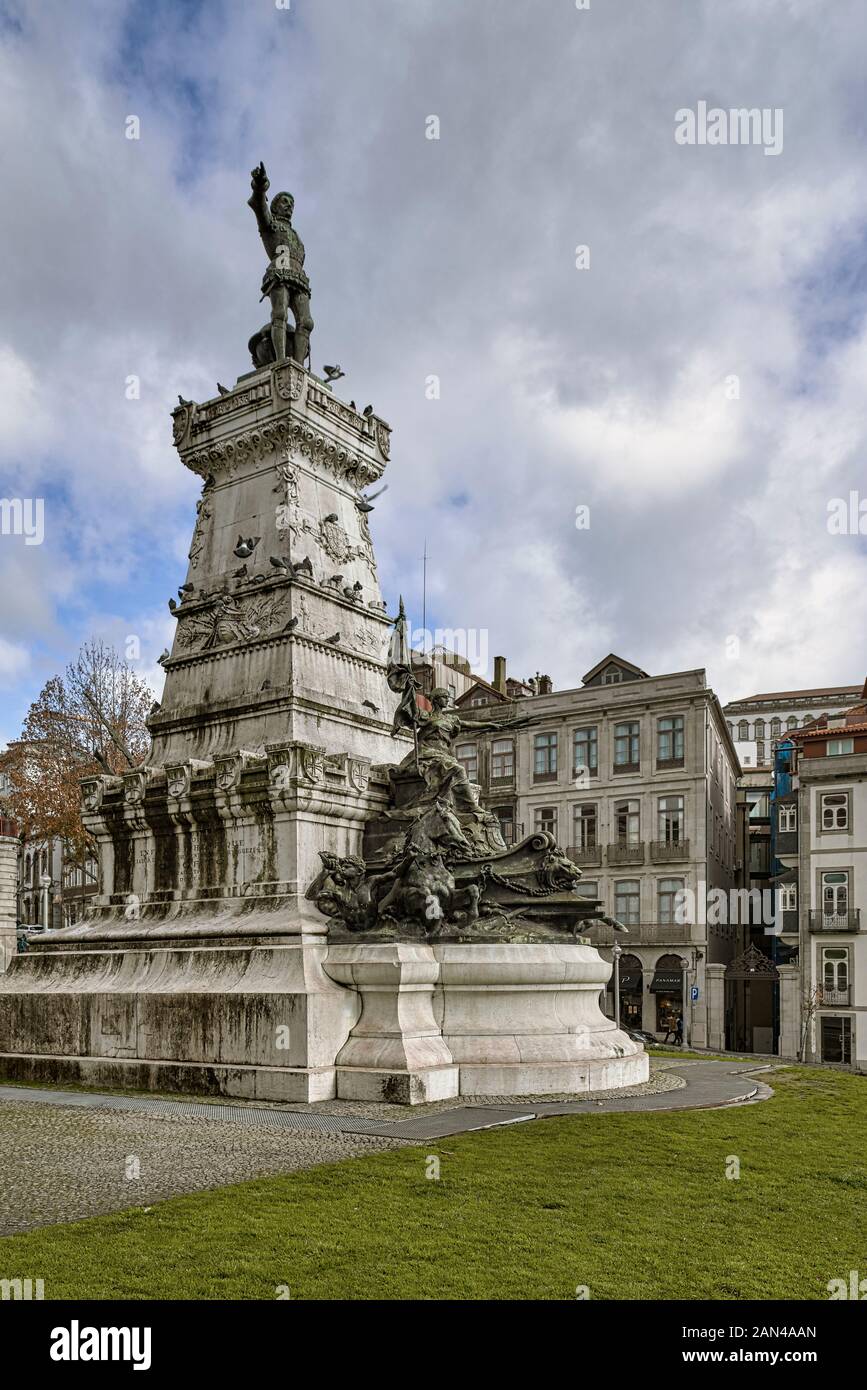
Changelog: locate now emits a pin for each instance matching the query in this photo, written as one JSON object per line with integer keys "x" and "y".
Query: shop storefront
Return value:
{"x": 631, "y": 990}
{"x": 667, "y": 988}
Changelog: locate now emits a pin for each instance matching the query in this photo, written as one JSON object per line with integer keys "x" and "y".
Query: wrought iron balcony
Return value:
{"x": 664, "y": 850}
{"x": 631, "y": 853}
{"x": 645, "y": 934}
{"x": 835, "y": 998}
{"x": 836, "y": 921}
{"x": 587, "y": 858}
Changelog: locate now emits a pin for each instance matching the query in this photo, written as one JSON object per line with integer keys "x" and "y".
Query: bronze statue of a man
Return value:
{"x": 285, "y": 282}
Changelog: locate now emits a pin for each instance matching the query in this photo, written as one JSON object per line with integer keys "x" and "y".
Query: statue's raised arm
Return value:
{"x": 258, "y": 200}
{"x": 285, "y": 281}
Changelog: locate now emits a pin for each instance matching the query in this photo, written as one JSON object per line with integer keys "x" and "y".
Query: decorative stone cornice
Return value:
{"x": 258, "y": 442}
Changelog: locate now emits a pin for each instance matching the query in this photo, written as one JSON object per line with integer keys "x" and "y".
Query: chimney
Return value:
{"x": 499, "y": 681}
{"x": 546, "y": 685}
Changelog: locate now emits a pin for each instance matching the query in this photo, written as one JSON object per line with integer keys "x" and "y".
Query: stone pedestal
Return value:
{"x": 479, "y": 1020}
{"x": 259, "y": 1021}
{"x": 396, "y": 1051}
{"x": 525, "y": 1020}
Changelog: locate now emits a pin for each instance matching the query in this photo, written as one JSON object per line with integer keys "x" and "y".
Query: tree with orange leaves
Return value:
{"x": 89, "y": 721}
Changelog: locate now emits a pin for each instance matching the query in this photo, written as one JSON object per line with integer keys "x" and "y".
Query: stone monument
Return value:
{"x": 300, "y": 896}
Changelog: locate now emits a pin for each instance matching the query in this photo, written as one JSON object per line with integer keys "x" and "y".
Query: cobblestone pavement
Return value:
{"x": 66, "y": 1157}
{"x": 63, "y": 1164}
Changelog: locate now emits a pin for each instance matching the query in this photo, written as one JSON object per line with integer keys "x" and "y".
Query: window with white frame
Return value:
{"x": 835, "y": 893}
{"x": 669, "y": 739}
{"x": 667, "y": 898}
{"x": 545, "y": 756}
{"x": 585, "y": 750}
{"x": 837, "y": 747}
{"x": 584, "y": 823}
{"x": 670, "y": 820}
{"x": 835, "y": 968}
{"x": 468, "y": 757}
{"x": 502, "y": 759}
{"x": 627, "y": 745}
{"x": 627, "y": 822}
{"x": 787, "y": 818}
{"x": 834, "y": 810}
{"x": 788, "y": 898}
{"x": 627, "y": 901}
{"x": 545, "y": 818}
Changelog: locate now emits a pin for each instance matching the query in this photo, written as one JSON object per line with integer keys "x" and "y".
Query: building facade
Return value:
{"x": 821, "y": 843}
{"x": 635, "y": 775}
{"x": 757, "y": 723}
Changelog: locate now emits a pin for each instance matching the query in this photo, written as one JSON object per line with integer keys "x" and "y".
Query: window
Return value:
{"x": 612, "y": 676}
{"x": 835, "y": 968}
{"x": 627, "y": 898}
{"x": 835, "y": 893}
{"x": 545, "y": 757}
{"x": 584, "y": 821}
{"x": 792, "y": 721}
{"x": 545, "y": 818}
{"x": 759, "y": 728}
{"x": 759, "y": 805}
{"x": 506, "y": 816}
{"x": 626, "y": 746}
{"x": 787, "y": 819}
{"x": 743, "y": 730}
{"x": 667, "y": 899}
{"x": 670, "y": 819}
{"x": 760, "y": 856}
{"x": 835, "y": 810}
{"x": 836, "y": 747}
{"x": 669, "y": 739}
{"x": 626, "y": 822}
{"x": 452, "y": 692}
{"x": 776, "y": 728}
{"x": 468, "y": 757}
{"x": 836, "y": 1039}
{"x": 588, "y": 888}
{"x": 585, "y": 751}
{"x": 502, "y": 759}
{"x": 807, "y": 719}
{"x": 788, "y": 897}
{"x": 760, "y": 753}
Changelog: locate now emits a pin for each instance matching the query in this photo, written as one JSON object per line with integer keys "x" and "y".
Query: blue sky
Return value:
{"x": 559, "y": 387}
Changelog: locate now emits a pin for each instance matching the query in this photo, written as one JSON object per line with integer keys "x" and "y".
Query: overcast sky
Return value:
{"x": 609, "y": 387}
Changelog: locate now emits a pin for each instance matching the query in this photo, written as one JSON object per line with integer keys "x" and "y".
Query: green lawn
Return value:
{"x": 633, "y": 1206}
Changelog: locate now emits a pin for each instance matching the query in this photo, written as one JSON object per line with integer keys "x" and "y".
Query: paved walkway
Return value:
{"x": 65, "y": 1155}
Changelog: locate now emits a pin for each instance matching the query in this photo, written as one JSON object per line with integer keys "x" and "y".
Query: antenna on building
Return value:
{"x": 424, "y": 593}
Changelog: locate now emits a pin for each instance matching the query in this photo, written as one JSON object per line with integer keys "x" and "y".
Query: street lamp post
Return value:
{"x": 45, "y": 882}
{"x": 617, "y": 952}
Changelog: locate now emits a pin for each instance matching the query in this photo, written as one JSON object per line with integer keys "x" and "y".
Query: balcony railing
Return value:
{"x": 646, "y": 934}
{"x": 626, "y": 767}
{"x": 632, "y": 853}
{"x": 590, "y": 857}
{"x": 664, "y": 850}
{"x": 835, "y": 998}
{"x": 663, "y": 764}
{"x": 836, "y": 921}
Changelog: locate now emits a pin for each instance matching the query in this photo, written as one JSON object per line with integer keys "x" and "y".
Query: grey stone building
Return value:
{"x": 636, "y": 775}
